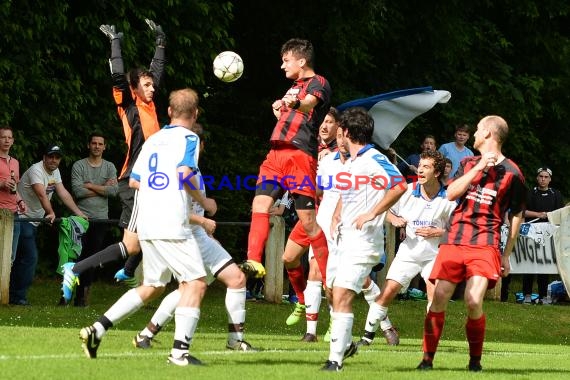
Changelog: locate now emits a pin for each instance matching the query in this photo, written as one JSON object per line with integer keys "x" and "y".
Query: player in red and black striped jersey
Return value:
{"x": 486, "y": 187}
{"x": 291, "y": 164}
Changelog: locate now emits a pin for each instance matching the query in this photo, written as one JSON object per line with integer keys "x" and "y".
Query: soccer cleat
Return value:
{"x": 142, "y": 341}
{"x": 70, "y": 281}
{"x": 252, "y": 269}
{"x": 296, "y": 315}
{"x": 363, "y": 342}
{"x": 90, "y": 343}
{"x": 350, "y": 350}
{"x": 331, "y": 366}
{"x": 308, "y": 337}
{"x": 425, "y": 365}
{"x": 184, "y": 360}
{"x": 131, "y": 281}
{"x": 327, "y": 337}
{"x": 474, "y": 367}
{"x": 392, "y": 336}
{"x": 240, "y": 345}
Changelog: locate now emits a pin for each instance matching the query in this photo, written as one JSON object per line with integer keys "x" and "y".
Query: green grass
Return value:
{"x": 41, "y": 342}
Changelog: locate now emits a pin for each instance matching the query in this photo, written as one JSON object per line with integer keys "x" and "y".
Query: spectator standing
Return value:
{"x": 93, "y": 181}
{"x": 541, "y": 199}
{"x": 9, "y": 177}
{"x": 37, "y": 186}
{"x": 409, "y": 169}
{"x": 456, "y": 150}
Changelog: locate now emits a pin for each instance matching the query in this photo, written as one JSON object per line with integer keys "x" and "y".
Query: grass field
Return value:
{"x": 41, "y": 342}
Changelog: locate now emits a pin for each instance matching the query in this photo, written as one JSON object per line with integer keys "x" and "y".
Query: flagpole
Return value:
{"x": 400, "y": 157}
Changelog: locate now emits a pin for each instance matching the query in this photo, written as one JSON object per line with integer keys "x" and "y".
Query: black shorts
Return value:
{"x": 127, "y": 197}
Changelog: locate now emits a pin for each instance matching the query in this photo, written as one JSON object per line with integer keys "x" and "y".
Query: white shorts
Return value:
{"x": 214, "y": 256}
{"x": 166, "y": 258}
{"x": 403, "y": 269}
{"x": 353, "y": 260}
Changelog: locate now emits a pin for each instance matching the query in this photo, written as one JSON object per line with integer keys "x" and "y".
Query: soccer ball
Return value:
{"x": 228, "y": 66}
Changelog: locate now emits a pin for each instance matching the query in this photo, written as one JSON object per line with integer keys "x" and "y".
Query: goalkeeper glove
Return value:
{"x": 110, "y": 32}
{"x": 158, "y": 32}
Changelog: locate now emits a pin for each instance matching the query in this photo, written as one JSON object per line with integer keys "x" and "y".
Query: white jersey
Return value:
{"x": 37, "y": 174}
{"x": 421, "y": 212}
{"x": 329, "y": 167}
{"x": 363, "y": 182}
{"x": 163, "y": 203}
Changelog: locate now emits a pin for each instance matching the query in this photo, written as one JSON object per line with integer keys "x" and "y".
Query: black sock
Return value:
{"x": 112, "y": 253}
{"x": 132, "y": 264}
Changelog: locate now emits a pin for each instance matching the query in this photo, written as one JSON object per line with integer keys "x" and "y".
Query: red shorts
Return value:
{"x": 456, "y": 263}
{"x": 299, "y": 236}
{"x": 292, "y": 168}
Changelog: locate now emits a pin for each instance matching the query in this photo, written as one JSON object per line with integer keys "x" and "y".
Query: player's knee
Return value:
{"x": 232, "y": 277}
{"x": 269, "y": 188}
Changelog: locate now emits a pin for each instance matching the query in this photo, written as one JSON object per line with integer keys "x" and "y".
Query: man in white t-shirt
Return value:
{"x": 424, "y": 212}
{"x": 164, "y": 174}
{"x": 36, "y": 188}
{"x": 369, "y": 185}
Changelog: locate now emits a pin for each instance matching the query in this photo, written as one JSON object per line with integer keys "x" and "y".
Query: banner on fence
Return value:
{"x": 535, "y": 250}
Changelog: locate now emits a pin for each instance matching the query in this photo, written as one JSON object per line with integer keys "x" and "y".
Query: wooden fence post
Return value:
{"x": 390, "y": 249}
{"x": 6, "y": 232}
{"x": 274, "y": 248}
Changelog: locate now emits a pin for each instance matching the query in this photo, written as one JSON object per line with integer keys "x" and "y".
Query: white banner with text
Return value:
{"x": 535, "y": 250}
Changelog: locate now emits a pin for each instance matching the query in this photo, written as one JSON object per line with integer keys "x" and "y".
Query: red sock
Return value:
{"x": 258, "y": 233}
{"x": 433, "y": 327}
{"x": 321, "y": 252}
{"x": 475, "y": 331}
{"x": 298, "y": 282}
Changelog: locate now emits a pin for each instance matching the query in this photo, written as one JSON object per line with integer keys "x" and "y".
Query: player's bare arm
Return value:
{"x": 304, "y": 105}
{"x": 396, "y": 220}
{"x": 336, "y": 218}
{"x": 513, "y": 234}
{"x": 460, "y": 185}
{"x": 209, "y": 225}
{"x": 391, "y": 197}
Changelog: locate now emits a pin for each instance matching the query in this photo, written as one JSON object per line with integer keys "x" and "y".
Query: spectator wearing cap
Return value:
{"x": 540, "y": 201}
{"x": 36, "y": 188}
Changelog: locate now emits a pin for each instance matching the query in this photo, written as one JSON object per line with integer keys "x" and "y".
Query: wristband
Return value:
{"x": 297, "y": 104}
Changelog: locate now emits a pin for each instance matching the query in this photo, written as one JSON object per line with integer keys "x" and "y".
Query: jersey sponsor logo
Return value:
{"x": 481, "y": 195}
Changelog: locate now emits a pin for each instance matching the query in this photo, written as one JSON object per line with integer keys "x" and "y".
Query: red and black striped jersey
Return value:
{"x": 480, "y": 212}
{"x": 298, "y": 128}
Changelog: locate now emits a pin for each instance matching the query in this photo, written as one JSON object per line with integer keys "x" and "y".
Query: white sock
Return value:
{"x": 341, "y": 335}
{"x": 164, "y": 313}
{"x": 186, "y": 320}
{"x": 376, "y": 314}
{"x": 235, "y": 306}
{"x": 99, "y": 330}
{"x": 125, "y": 306}
{"x": 386, "y": 324}
{"x": 371, "y": 292}
{"x": 313, "y": 304}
